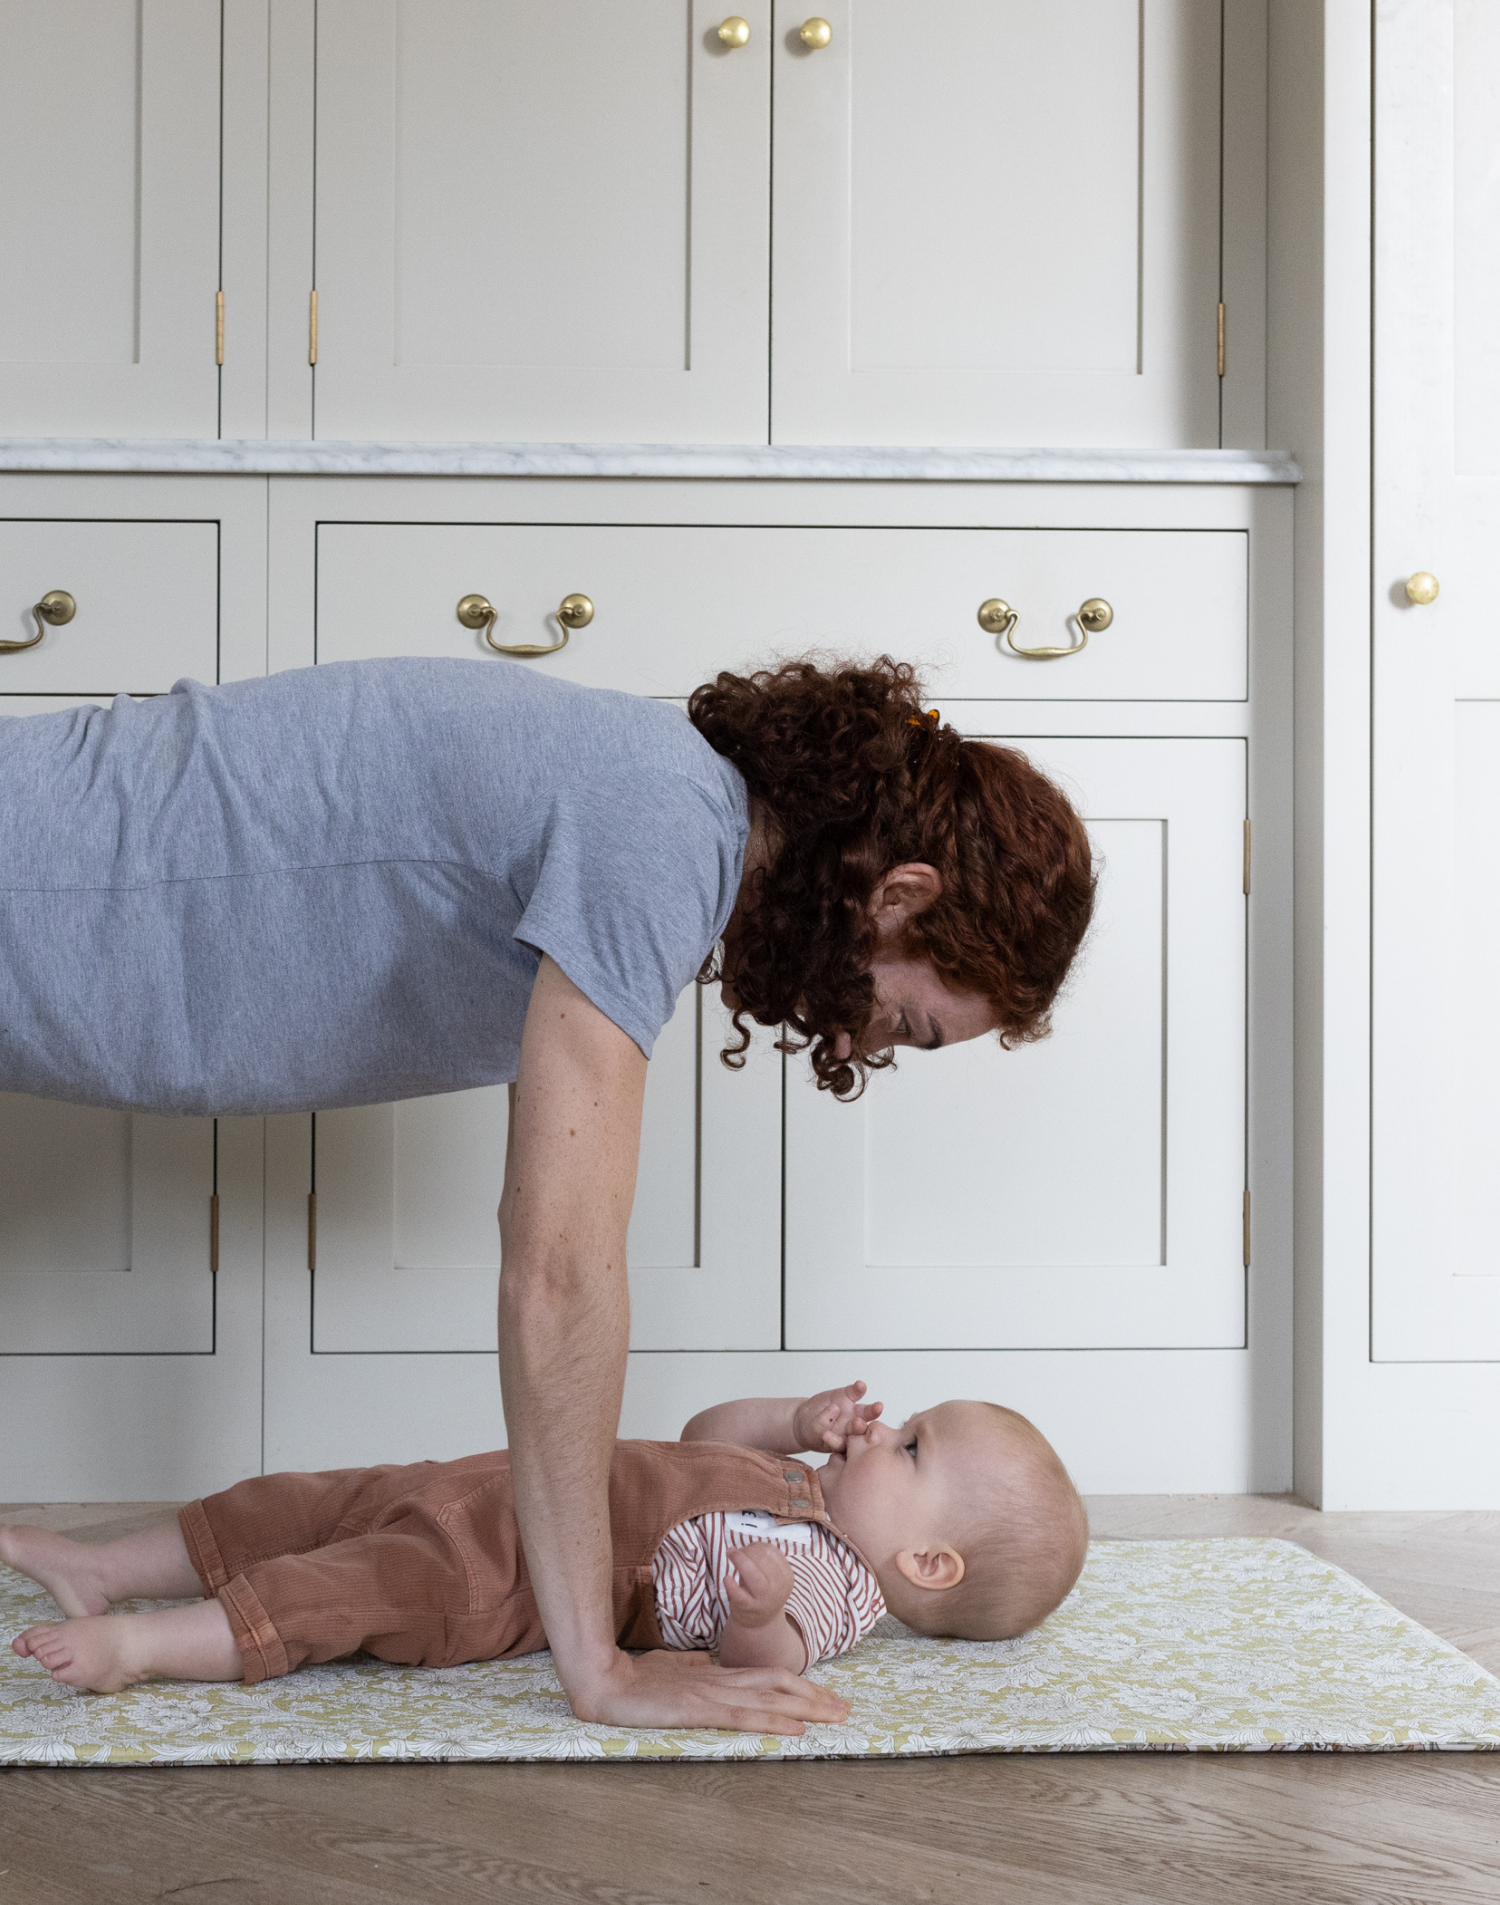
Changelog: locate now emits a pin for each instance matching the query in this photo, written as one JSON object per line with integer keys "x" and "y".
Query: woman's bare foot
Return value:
{"x": 68, "y": 1570}
{"x": 106, "y": 1652}
{"x": 94, "y": 1652}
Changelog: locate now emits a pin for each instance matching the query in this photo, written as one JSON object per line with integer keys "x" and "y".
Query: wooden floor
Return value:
{"x": 1108, "y": 1829}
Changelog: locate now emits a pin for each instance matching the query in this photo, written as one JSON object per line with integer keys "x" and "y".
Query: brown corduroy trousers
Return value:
{"x": 417, "y": 1563}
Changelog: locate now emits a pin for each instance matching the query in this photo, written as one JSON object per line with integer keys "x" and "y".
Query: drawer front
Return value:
{"x": 673, "y": 605}
{"x": 147, "y": 598}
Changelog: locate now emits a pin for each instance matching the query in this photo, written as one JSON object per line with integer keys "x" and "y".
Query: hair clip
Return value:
{"x": 932, "y": 716}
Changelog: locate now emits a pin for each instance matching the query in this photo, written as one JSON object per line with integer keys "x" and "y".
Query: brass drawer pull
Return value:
{"x": 999, "y": 619}
{"x": 815, "y": 34}
{"x": 55, "y": 608}
{"x": 734, "y": 32}
{"x": 477, "y": 611}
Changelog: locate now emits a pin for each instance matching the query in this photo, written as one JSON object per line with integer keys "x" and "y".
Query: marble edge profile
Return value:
{"x": 896, "y": 464}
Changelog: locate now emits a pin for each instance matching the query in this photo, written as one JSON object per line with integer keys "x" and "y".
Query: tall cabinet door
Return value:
{"x": 1436, "y": 1003}
{"x": 998, "y": 223}
{"x": 109, "y": 217}
{"x": 541, "y": 224}
{"x": 1086, "y": 1192}
{"x": 407, "y": 1244}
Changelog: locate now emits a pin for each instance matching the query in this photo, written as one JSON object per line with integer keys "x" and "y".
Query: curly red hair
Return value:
{"x": 856, "y": 778}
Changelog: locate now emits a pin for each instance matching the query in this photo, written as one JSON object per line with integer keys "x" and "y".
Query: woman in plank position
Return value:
{"x": 377, "y": 880}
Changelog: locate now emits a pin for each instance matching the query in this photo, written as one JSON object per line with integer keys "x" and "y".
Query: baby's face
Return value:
{"x": 896, "y": 1490}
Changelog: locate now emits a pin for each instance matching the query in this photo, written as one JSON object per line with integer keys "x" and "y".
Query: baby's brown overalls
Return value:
{"x": 423, "y": 1563}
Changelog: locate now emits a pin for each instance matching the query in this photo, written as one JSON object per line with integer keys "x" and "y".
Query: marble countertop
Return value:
{"x": 896, "y": 464}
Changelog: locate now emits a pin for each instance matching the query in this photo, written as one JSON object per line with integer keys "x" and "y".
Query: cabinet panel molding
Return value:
{"x": 998, "y": 225}
{"x": 109, "y": 223}
{"x": 1085, "y": 1192}
{"x": 541, "y": 234}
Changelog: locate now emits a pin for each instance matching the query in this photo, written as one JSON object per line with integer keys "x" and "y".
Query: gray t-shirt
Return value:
{"x": 332, "y": 886}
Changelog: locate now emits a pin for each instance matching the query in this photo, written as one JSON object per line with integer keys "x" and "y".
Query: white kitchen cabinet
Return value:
{"x": 998, "y": 223}
{"x": 1086, "y": 1192}
{"x": 541, "y": 236}
{"x": 1436, "y": 1009}
{"x": 109, "y": 220}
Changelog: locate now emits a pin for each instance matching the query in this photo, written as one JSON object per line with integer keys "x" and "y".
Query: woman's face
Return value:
{"x": 914, "y": 1007}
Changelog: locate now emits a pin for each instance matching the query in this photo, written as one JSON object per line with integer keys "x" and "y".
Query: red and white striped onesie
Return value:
{"x": 835, "y": 1599}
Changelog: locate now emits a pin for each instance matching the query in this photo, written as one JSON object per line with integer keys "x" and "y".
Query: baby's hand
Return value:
{"x": 760, "y": 1584}
{"x": 827, "y": 1421}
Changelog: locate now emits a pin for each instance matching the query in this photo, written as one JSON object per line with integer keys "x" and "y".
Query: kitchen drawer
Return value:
{"x": 148, "y": 605}
{"x": 675, "y": 604}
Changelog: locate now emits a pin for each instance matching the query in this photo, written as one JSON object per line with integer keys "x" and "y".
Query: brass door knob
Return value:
{"x": 1422, "y": 588}
{"x": 815, "y": 33}
{"x": 734, "y": 31}
{"x": 477, "y": 611}
{"x": 55, "y": 608}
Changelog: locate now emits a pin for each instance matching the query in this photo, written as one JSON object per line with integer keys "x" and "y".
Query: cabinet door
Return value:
{"x": 408, "y": 1247}
{"x": 1436, "y": 1006}
{"x": 998, "y": 223}
{"x": 109, "y": 218}
{"x": 541, "y": 223}
{"x": 1085, "y": 1192}
{"x": 105, "y": 1231}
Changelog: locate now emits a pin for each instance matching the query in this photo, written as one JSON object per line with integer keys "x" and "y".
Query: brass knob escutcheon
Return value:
{"x": 1095, "y": 615}
{"x": 734, "y": 31}
{"x": 477, "y": 611}
{"x": 815, "y": 33}
{"x": 55, "y": 608}
{"x": 1422, "y": 588}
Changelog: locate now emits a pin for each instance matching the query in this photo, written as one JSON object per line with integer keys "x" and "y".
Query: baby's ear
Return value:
{"x": 936, "y": 1568}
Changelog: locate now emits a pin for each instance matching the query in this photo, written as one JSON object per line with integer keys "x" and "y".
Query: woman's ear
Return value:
{"x": 902, "y": 894}
{"x": 935, "y": 1568}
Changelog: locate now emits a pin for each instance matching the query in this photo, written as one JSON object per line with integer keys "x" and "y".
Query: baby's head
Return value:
{"x": 966, "y": 1515}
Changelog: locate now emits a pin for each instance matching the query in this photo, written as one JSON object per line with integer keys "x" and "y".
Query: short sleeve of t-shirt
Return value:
{"x": 633, "y": 892}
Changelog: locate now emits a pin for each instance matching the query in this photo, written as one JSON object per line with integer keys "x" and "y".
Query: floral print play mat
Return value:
{"x": 1220, "y": 1645}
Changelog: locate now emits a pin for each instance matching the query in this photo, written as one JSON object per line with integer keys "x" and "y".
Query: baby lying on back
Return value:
{"x": 961, "y": 1522}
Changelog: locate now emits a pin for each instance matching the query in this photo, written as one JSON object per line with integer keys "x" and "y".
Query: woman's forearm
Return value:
{"x": 764, "y": 1422}
{"x": 564, "y": 1333}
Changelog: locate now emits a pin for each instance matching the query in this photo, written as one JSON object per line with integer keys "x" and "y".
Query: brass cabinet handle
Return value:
{"x": 1422, "y": 588}
{"x": 477, "y": 611}
{"x": 999, "y": 619}
{"x": 734, "y": 32}
{"x": 815, "y": 33}
{"x": 55, "y": 608}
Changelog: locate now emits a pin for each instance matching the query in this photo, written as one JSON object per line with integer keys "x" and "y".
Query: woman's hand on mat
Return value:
{"x": 827, "y": 1421}
{"x": 687, "y": 1689}
{"x": 760, "y": 1584}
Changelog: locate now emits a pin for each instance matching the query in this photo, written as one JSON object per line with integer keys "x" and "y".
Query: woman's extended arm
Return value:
{"x": 564, "y": 1333}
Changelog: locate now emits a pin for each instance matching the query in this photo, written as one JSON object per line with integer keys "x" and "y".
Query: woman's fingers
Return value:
{"x": 663, "y": 1690}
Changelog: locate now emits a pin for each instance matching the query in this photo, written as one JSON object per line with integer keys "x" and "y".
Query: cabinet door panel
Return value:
{"x": 1435, "y": 1251}
{"x": 408, "y": 1247}
{"x": 104, "y": 1231}
{"x": 109, "y": 221}
{"x": 1084, "y": 1192}
{"x": 674, "y": 605}
{"x": 998, "y": 224}
{"x": 541, "y": 225}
